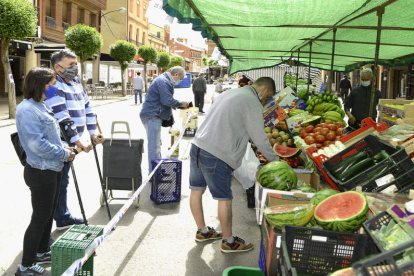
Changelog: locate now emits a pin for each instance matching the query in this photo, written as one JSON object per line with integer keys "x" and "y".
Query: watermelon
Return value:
{"x": 321, "y": 195}
{"x": 344, "y": 272}
{"x": 277, "y": 175}
{"x": 284, "y": 151}
{"x": 290, "y": 214}
{"x": 344, "y": 212}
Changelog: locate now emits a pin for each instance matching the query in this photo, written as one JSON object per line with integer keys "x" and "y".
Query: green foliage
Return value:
{"x": 204, "y": 60}
{"x": 123, "y": 51}
{"x": 163, "y": 60}
{"x": 176, "y": 61}
{"x": 147, "y": 53}
{"x": 84, "y": 40}
{"x": 18, "y": 19}
{"x": 212, "y": 62}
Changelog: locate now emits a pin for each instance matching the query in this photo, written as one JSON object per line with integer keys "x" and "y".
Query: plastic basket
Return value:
{"x": 387, "y": 263}
{"x": 319, "y": 252}
{"x": 166, "y": 182}
{"x": 71, "y": 246}
{"x": 242, "y": 271}
{"x": 399, "y": 164}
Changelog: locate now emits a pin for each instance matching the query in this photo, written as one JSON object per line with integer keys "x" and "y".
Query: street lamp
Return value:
{"x": 121, "y": 9}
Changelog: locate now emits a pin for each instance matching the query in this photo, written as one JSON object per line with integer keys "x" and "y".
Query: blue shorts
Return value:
{"x": 208, "y": 170}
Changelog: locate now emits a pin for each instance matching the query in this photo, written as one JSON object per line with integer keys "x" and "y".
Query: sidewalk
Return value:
{"x": 4, "y": 106}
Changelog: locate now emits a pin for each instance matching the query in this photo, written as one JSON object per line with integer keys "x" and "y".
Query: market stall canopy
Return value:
{"x": 262, "y": 33}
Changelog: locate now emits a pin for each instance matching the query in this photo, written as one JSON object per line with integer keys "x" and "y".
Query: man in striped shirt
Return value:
{"x": 70, "y": 103}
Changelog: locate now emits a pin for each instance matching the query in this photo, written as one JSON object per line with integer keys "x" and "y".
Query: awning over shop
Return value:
{"x": 138, "y": 58}
{"x": 22, "y": 45}
{"x": 264, "y": 33}
{"x": 48, "y": 47}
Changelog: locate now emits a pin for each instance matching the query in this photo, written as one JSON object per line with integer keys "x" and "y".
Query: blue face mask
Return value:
{"x": 177, "y": 82}
{"x": 51, "y": 91}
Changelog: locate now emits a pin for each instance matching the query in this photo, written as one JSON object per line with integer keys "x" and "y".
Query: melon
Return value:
{"x": 277, "y": 175}
{"x": 284, "y": 151}
{"x": 344, "y": 272}
{"x": 344, "y": 212}
{"x": 290, "y": 214}
{"x": 321, "y": 195}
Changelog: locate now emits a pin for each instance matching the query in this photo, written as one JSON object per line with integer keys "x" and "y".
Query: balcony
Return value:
{"x": 50, "y": 22}
{"x": 65, "y": 25}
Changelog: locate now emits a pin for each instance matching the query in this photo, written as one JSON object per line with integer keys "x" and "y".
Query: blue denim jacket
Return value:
{"x": 159, "y": 99}
{"x": 39, "y": 136}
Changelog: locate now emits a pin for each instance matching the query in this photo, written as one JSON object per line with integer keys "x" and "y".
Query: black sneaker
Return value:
{"x": 68, "y": 223}
{"x": 44, "y": 258}
{"x": 34, "y": 270}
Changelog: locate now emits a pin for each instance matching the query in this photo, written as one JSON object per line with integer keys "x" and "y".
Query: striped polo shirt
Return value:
{"x": 70, "y": 102}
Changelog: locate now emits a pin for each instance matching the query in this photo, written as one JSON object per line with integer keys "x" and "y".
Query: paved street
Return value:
{"x": 154, "y": 239}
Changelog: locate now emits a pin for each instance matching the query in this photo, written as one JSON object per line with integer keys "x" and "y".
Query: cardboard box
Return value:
{"x": 261, "y": 192}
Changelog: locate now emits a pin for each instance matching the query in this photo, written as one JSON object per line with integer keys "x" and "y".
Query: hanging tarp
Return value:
{"x": 262, "y": 33}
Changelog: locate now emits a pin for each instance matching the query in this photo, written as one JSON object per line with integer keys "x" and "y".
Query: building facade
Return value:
{"x": 192, "y": 55}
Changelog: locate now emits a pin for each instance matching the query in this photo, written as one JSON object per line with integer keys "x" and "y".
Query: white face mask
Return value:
{"x": 365, "y": 83}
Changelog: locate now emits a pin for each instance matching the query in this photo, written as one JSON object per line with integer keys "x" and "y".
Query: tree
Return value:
{"x": 123, "y": 52}
{"x": 84, "y": 41}
{"x": 18, "y": 20}
{"x": 148, "y": 54}
{"x": 163, "y": 60}
{"x": 176, "y": 61}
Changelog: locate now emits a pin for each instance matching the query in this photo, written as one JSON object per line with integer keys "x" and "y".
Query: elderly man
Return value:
{"x": 70, "y": 103}
{"x": 199, "y": 90}
{"x": 358, "y": 101}
{"x": 158, "y": 106}
{"x": 218, "y": 149}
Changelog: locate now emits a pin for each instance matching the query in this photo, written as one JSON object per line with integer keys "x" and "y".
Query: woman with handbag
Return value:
{"x": 39, "y": 136}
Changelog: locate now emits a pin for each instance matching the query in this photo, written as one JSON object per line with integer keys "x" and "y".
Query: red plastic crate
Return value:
{"x": 366, "y": 124}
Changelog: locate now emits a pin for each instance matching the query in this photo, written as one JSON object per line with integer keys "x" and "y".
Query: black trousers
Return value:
{"x": 44, "y": 187}
{"x": 199, "y": 100}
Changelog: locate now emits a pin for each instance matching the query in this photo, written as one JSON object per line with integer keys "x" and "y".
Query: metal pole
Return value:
{"x": 310, "y": 62}
{"x": 372, "y": 107}
{"x": 297, "y": 72}
{"x": 331, "y": 73}
{"x": 409, "y": 95}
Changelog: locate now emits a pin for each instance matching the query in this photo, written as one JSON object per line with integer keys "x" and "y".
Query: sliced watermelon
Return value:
{"x": 344, "y": 212}
{"x": 284, "y": 151}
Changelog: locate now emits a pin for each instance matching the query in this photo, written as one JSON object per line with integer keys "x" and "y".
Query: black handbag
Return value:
{"x": 18, "y": 148}
{"x": 169, "y": 122}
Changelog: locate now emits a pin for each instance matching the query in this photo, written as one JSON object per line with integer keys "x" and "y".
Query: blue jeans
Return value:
{"x": 208, "y": 170}
{"x": 62, "y": 212}
{"x": 153, "y": 129}
{"x": 138, "y": 92}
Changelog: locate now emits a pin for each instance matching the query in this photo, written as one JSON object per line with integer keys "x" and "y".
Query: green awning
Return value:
{"x": 261, "y": 33}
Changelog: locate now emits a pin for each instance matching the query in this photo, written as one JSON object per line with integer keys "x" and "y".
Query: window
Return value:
{"x": 81, "y": 15}
{"x": 138, "y": 9}
{"x": 93, "y": 20}
{"x": 143, "y": 38}
{"x": 130, "y": 32}
{"x": 131, "y": 6}
{"x": 51, "y": 8}
{"x": 137, "y": 36}
{"x": 159, "y": 34}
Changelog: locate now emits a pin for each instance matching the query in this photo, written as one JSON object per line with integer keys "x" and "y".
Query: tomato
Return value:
{"x": 323, "y": 125}
{"x": 331, "y": 136}
{"x": 340, "y": 124}
{"x": 320, "y": 138}
{"x": 326, "y": 143}
{"x": 317, "y": 129}
{"x": 309, "y": 140}
{"x": 332, "y": 127}
{"x": 302, "y": 133}
{"x": 318, "y": 145}
{"x": 309, "y": 128}
{"x": 324, "y": 131}
{"x": 340, "y": 131}
{"x": 319, "y": 125}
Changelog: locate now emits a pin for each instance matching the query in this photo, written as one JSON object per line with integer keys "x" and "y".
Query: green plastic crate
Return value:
{"x": 71, "y": 246}
{"x": 242, "y": 271}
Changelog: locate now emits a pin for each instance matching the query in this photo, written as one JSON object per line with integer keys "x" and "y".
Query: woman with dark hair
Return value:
{"x": 39, "y": 136}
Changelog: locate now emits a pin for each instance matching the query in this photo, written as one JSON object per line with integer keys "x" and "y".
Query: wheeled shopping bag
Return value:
{"x": 121, "y": 163}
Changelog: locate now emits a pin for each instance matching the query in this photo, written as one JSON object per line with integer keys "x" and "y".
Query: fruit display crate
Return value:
{"x": 384, "y": 218}
{"x": 398, "y": 164}
{"x": 387, "y": 263}
{"x": 166, "y": 181}
{"x": 242, "y": 271}
{"x": 71, "y": 246}
{"x": 310, "y": 251}
{"x": 389, "y": 107}
{"x": 368, "y": 126}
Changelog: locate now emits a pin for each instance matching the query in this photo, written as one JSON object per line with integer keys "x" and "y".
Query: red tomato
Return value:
{"x": 331, "y": 136}
{"x": 324, "y": 131}
{"x": 340, "y": 124}
{"x": 326, "y": 143}
{"x": 317, "y": 129}
{"x": 339, "y": 131}
{"x": 309, "y": 140}
{"x": 302, "y": 133}
{"x": 320, "y": 138}
{"x": 323, "y": 125}
{"x": 332, "y": 127}
{"x": 318, "y": 145}
{"x": 309, "y": 128}
{"x": 319, "y": 125}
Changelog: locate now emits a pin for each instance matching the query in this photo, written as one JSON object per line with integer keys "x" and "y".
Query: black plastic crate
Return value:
{"x": 189, "y": 132}
{"x": 318, "y": 252}
{"x": 387, "y": 263}
{"x": 251, "y": 202}
{"x": 166, "y": 181}
{"x": 399, "y": 164}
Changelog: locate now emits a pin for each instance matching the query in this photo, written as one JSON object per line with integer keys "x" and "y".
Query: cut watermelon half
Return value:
{"x": 284, "y": 151}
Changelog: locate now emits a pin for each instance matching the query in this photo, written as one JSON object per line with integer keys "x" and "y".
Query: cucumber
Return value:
{"x": 356, "y": 169}
{"x": 346, "y": 163}
{"x": 382, "y": 155}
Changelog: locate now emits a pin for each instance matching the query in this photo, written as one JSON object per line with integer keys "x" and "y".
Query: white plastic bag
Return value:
{"x": 246, "y": 173}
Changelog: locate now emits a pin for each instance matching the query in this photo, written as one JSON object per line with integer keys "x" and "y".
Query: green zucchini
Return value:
{"x": 382, "y": 155}
{"x": 348, "y": 162}
{"x": 356, "y": 169}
